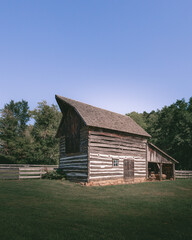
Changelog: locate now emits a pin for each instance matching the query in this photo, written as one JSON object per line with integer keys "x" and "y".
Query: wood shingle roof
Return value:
{"x": 101, "y": 118}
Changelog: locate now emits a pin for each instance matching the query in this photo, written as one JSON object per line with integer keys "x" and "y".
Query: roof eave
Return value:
{"x": 172, "y": 159}
{"x": 118, "y": 131}
{"x": 59, "y": 98}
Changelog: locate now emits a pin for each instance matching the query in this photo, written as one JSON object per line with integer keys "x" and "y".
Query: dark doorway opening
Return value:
{"x": 167, "y": 170}
{"x": 154, "y": 170}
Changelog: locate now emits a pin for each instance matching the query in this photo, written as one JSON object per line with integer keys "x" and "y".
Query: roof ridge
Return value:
{"x": 99, "y": 117}
{"x": 94, "y": 106}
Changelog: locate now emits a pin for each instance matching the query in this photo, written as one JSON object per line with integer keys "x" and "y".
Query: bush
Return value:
{"x": 6, "y": 159}
{"x": 56, "y": 174}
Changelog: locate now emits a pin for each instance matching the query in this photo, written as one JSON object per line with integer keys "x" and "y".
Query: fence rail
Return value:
{"x": 183, "y": 174}
{"x": 29, "y": 171}
{"x": 24, "y": 171}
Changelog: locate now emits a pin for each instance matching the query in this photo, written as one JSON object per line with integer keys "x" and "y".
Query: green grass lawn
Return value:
{"x": 48, "y": 209}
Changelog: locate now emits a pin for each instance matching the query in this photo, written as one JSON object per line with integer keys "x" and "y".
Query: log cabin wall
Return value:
{"x": 75, "y": 165}
{"x": 106, "y": 147}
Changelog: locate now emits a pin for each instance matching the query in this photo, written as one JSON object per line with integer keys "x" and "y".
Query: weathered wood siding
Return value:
{"x": 62, "y": 148}
{"x": 72, "y": 125}
{"x": 155, "y": 156}
{"x": 104, "y": 147}
{"x": 76, "y": 165}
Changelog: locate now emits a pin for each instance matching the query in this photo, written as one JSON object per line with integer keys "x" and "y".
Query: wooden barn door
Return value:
{"x": 129, "y": 170}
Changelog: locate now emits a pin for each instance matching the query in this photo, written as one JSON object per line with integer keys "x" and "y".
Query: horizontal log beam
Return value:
{"x": 84, "y": 156}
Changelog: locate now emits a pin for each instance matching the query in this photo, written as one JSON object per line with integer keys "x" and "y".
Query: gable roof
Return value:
{"x": 101, "y": 118}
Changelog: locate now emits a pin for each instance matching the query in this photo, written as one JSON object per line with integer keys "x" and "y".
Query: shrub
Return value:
{"x": 55, "y": 174}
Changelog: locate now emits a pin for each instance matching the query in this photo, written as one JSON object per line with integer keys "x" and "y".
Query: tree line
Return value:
{"x": 22, "y": 142}
{"x": 171, "y": 130}
{"x": 29, "y": 136}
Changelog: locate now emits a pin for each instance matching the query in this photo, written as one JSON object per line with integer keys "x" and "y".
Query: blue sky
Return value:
{"x": 133, "y": 55}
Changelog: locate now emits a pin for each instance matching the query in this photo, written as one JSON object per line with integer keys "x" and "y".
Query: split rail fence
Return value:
{"x": 29, "y": 171}
{"x": 26, "y": 171}
{"x": 179, "y": 174}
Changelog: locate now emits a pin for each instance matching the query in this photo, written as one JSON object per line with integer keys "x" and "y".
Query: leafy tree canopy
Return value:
{"x": 23, "y": 143}
{"x": 47, "y": 120}
{"x": 171, "y": 130}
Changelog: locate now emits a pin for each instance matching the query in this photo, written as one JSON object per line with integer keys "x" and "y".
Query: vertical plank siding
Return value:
{"x": 62, "y": 147}
{"x": 75, "y": 166}
{"x": 154, "y": 156}
{"x": 84, "y": 140}
{"x": 105, "y": 147}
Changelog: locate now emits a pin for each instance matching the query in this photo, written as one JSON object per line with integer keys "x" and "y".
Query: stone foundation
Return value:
{"x": 114, "y": 182}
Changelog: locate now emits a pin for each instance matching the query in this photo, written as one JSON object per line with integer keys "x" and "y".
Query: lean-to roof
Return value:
{"x": 101, "y": 118}
{"x": 162, "y": 152}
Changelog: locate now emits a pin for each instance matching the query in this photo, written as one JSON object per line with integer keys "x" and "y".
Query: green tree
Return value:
{"x": 174, "y": 132}
{"x": 171, "y": 130}
{"x": 46, "y": 146}
{"x": 138, "y": 118}
{"x": 13, "y": 124}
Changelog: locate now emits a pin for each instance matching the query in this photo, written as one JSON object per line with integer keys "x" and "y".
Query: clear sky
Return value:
{"x": 121, "y": 55}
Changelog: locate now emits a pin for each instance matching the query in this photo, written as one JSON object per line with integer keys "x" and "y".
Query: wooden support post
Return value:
{"x": 160, "y": 178}
{"x": 147, "y": 173}
{"x": 41, "y": 172}
{"x": 173, "y": 171}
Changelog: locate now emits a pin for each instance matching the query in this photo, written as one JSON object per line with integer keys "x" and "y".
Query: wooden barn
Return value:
{"x": 98, "y": 146}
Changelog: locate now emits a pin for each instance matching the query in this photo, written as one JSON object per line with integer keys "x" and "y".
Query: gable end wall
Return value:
{"x": 75, "y": 166}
